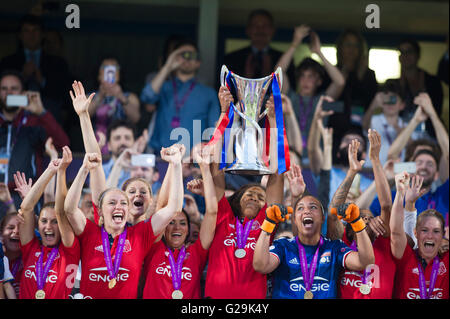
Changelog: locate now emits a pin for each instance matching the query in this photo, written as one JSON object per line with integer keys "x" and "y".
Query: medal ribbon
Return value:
{"x": 308, "y": 275}
{"x": 283, "y": 147}
{"x": 42, "y": 271}
{"x": 177, "y": 266}
{"x": 112, "y": 271}
{"x": 365, "y": 274}
{"x": 424, "y": 293}
{"x": 179, "y": 103}
{"x": 243, "y": 232}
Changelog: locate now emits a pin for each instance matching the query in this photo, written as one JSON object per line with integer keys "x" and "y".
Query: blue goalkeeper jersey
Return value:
{"x": 288, "y": 280}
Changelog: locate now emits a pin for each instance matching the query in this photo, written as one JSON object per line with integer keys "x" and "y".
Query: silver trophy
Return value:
{"x": 246, "y": 142}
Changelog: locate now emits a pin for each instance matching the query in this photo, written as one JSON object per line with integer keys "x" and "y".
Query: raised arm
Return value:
{"x": 402, "y": 139}
{"x": 315, "y": 153}
{"x": 81, "y": 105}
{"x": 398, "y": 235}
{"x": 207, "y": 230}
{"x": 293, "y": 132}
{"x": 26, "y": 229}
{"x": 75, "y": 216}
{"x": 67, "y": 235}
{"x": 337, "y": 84}
{"x": 162, "y": 217}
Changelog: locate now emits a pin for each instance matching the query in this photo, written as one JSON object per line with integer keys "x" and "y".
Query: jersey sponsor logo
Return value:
{"x": 101, "y": 274}
{"x": 126, "y": 248}
{"x": 165, "y": 270}
{"x": 52, "y": 276}
{"x": 325, "y": 258}
{"x": 319, "y": 284}
{"x": 294, "y": 261}
{"x": 414, "y": 293}
{"x": 230, "y": 240}
{"x": 353, "y": 278}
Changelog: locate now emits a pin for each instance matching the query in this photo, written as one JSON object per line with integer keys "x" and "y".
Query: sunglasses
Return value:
{"x": 189, "y": 55}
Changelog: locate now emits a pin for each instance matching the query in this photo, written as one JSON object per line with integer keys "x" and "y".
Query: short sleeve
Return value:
{"x": 277, "y": 249}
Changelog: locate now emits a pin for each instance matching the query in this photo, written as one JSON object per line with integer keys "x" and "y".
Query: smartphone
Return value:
{"x": 109, "y": 73}
{"x": 17, "y": 100}
{"x": 147, "y": 160}
{"x": 337, "y": 106}
{"x": 409, "y": 167}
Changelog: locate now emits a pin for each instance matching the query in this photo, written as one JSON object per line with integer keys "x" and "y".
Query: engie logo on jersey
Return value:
{"x": 101, "y": 274}
{"x": 52, "y": 276}
{"x": 319, "y": 284}
{"x": 165, "y": 269}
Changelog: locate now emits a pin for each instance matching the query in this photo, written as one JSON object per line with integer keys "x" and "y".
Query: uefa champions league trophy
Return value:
{"x": 245, "y": 145}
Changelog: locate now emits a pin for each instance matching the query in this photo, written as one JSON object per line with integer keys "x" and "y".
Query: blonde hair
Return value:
{"x": 134, "y": 179}
{"x": 103, "y": 195}
{"x": 431, "y": 213}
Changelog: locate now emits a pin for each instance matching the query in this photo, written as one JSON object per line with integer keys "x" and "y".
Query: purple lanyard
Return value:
{"x": 242, "y": 232}
{"x": 424, "y": 294}
{"x": 16, "y": 267}
{"x": 112, "y": 272}
{"x": 304, "y": 114}
{"x": 388, "y": 136}
{"x": 177, "y": 267}
{"x": 366, "y": 273}
{"x": 179, "y": 103}
{"x": 308, "y": 275}
{"x": 42, "y": 271}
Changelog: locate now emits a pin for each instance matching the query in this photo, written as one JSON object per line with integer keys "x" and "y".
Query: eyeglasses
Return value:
{"x": 189, "y": 55}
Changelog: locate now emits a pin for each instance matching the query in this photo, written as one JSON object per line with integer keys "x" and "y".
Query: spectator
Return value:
{"x": 230, "y": 273}
{"x": 181, "y": 100}
{"x": 421, "y": 266}
{"x": 59, "y": 249}
{"x": 258, "y": 59}
{"x": 24, "y": 131}
{"x": 111, "y": 102}
{"x": 6, "y": 288}
{"x": 44, "y": 73}
{"x": 9, "y": 230}
{"x": 389, "y": 124}
{"x": 284, "y": 256}
{"x": 415, "y": 80}
{"x": 310, "y": 80}
{"x": 360, "y": 81}
{"x": 186, "y": 261}
{"x": 443, "y": 67}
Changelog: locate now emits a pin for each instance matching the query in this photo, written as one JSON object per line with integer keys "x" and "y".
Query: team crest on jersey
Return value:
{"x": 126, "y": 248}
{"x": 38, "y": 253}
{"x": 442, "y": 269}
{"x": 188, "y": 254}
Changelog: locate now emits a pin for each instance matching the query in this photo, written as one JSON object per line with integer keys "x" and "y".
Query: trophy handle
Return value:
{"x": 223, "y": 75}
{"x": 279, "y": 75}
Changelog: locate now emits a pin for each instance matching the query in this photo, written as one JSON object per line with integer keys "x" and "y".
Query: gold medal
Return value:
{"x": 40, "y": 294}
{"x": 308, "y": 295}
{"x": 177, "y": 294}
{"x": 112, "y": 283}
{"x": 365, "y": 289}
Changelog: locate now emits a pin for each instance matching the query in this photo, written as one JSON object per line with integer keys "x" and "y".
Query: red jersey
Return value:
{"x": 94, "y": 274}
{"x": 16, "y": 268}
{"x": 157, "y": 271}
{"x": 61, "y": 276}
{"x": 229, "y": 277}
{"x": 380, "y": 275}
{"x": 407, "y": 278}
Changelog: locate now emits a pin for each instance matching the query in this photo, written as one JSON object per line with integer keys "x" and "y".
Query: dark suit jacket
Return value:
{"x": 55, "y": 70}
{"x": 235, "y": 62}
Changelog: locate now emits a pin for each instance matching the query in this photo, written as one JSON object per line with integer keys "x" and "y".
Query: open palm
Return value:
{"x": 79, "y": 100}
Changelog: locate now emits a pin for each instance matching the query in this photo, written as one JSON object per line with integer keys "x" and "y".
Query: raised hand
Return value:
{"x": 402, "y": 182}
{"x": 173, "y": 154}
{"x": 414, "y": 191}
{"x": 296, "y": 182}
{"x": 225, "y": 97}
{"x": 22, "y": 186}
{"x": 354, "y": 164}
{"x": 66, "y": 158}
{"x": 5, "y": 195}
{"x": 314, "y": 44}
{"x": 79, "y": 100}
{"x": 300, "y": 33}
{"x": 195, "y": 186}
{"x": 50, "y": 149}
{"x": 202, "y": 154}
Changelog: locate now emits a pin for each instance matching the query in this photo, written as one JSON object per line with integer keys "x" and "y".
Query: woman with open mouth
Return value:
{"x": 422, "y": 273}
{"x": 49, "y": 261}
{"x": 139, "y": 194}
{"x": 9, "y": 230}
{"x": 173, "y": 268}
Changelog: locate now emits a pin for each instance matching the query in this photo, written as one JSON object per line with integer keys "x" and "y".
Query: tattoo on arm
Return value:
{"x": 341, "y": 194}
